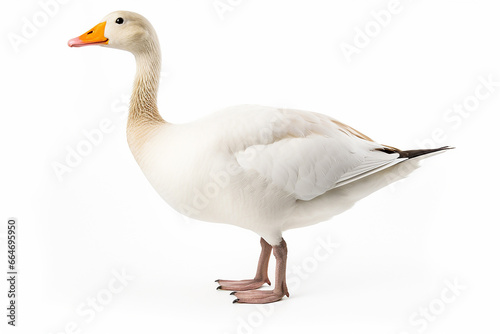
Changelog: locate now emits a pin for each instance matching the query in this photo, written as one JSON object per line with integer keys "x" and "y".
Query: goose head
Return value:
{"x": 119, "y": 30}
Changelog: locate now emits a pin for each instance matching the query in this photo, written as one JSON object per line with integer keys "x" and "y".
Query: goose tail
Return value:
{"x": 410, "y": 154}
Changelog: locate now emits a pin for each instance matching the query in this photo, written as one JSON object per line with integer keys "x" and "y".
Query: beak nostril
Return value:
{"x": 91, "y": 31}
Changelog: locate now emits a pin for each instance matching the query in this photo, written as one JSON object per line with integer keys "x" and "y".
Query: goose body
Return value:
{"x": 256, "y": 167}
{"x": 261, "y": 168}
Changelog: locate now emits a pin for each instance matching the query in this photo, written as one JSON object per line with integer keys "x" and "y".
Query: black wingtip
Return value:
{"x": 232, "y": 293}
{"x": 235, "y": 301}
{"x": 410, "y": 154}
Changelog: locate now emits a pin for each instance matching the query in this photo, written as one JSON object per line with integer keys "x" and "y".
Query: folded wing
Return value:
{"x": 309, "y": 154}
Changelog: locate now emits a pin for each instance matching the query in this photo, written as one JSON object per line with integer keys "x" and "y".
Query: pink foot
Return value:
{"x": 260, "y": 276}
{"x": 243, "y": 285}
{"x": 259, "y": 296}
{"x": 245, "y": 291}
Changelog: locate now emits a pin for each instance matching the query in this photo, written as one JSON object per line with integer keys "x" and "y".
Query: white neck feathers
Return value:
{"x": 144, "y": 118}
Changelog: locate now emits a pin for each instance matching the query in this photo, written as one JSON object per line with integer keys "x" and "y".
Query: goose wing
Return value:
{"x": 306, "y": 154}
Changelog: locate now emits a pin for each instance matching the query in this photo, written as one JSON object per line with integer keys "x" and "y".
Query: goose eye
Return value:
{"x": 119, "y": 20}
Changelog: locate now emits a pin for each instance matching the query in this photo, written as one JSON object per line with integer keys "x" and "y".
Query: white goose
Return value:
{"x": 261, "y": 168}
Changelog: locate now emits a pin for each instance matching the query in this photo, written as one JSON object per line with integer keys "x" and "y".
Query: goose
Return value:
{"x": 261, "y": 168}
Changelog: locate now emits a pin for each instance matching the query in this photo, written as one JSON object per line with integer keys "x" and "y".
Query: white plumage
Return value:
{"x": 261, "y": 168}
{"x": 252, "y": 166}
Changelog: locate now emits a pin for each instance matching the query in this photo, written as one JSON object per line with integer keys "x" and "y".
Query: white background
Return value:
{"x": 397, "y": 248}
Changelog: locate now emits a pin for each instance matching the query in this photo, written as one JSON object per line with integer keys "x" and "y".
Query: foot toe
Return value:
{"x": 259, "y": 296}
{"x": 243, "y": 285}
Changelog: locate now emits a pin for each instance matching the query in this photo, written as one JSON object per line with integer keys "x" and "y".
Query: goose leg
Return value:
{"x": 260, "y": 277}
{"x": 269, "y": 296}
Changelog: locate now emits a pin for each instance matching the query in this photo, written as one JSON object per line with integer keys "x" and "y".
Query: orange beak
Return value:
{"x": 93, "y": 36}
